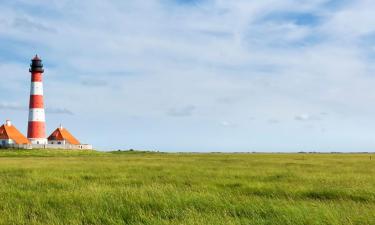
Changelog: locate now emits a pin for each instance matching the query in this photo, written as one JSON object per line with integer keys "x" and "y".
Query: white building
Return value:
{"x": 61, "y": 136}
{"x": 9, "y": 135}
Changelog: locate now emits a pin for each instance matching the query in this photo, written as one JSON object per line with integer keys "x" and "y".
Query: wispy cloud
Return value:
{"x": 273, "y": 121}
{"x": 94, "y": 83}
{"x": 20, "y": 107}
{"x": 229, "y": 59}
{"x": 182, "y": 112}
{"x": 59, "y": 111}
{"x": 226, "y": 123}
{"x": 12, "y": 106}
{"x": 28, "y": 25}
{"x": 306, "y": 117}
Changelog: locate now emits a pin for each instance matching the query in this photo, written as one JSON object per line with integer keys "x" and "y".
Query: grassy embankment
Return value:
{"x": 84, "y": 187}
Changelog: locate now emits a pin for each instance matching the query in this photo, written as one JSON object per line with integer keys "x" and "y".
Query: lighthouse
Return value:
{"x": 36, "y": 131}
{"x": 61, "y": 138}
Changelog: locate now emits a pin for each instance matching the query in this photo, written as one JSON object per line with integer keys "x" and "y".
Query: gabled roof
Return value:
{"x": 8, "y": 131}
{"x": 61, "y": 134}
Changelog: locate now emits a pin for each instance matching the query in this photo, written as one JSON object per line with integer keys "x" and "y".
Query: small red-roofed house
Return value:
{"x": 9, "y": 135}
{"x": 61, "y": 136}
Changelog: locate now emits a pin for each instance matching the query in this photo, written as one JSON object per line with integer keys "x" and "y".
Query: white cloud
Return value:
{"x": 307, "y": 117}
{"x": 22, "y": 107}
{"x": 145, "y": 58}
{"x": 273, "y": 121}
{"x": 227, "y": 124}
{"x": 11, "y": 106}
{"x": 182, "y": 112}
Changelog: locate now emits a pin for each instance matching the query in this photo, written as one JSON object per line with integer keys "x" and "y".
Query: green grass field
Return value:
{"x": 84, "y": 187}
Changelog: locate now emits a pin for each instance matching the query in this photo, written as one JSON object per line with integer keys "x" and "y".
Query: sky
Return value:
{"x": 196, "y": 75}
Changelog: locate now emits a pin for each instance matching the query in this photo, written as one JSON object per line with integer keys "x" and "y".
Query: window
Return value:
{"x": 59, "y": 143}
{"x": 3, "y": 142}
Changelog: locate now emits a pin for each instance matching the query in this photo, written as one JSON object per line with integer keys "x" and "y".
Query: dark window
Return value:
{"x": 3, "y": 142}
{"x": 59, "y": 143}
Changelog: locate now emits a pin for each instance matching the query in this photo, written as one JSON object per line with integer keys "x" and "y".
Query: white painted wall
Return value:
{"x": 40, "y": 141}
{"x": 50, "y": 146}
{"x": 37, "y": 115}
{"x": 57, "y": 142}
{"x": 36, "y": 88}
{"x": 6, "y": 142}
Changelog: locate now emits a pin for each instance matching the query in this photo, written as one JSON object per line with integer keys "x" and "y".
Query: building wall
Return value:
{"x": 6, "y": 142}
{"x": 51, "y": 146}
{"x": 57, "y": 142}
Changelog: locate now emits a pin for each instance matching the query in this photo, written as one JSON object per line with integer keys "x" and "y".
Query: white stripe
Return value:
{"x": 38, "y": 141}
{"x": 37, "y": 115}
{"x": 36, "y": 88}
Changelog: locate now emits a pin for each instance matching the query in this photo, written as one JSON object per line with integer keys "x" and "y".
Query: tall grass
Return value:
{"x": 87, "y": 187}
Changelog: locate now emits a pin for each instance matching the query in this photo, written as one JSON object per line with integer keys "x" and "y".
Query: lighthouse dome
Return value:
{"x": 36, "y": 65}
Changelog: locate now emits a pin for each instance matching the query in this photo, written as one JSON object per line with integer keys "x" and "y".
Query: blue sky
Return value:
{"x": 196, "y": 75}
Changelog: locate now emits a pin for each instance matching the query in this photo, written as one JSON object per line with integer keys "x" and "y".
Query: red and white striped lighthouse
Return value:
{"x": 36, "y": 131}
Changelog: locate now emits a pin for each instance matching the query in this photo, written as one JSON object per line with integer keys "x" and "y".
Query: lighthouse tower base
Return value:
{"x": 38, "y": 141}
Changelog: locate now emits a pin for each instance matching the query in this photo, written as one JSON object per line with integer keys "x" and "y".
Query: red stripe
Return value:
{"x": 36, "y": 77}
{"x": 36, "y": 102}
{"x": 36, "y": 129}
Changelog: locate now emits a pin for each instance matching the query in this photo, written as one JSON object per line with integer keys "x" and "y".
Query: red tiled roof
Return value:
{"x": 61, "y": 134}
{"x": 11, "y": 132}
